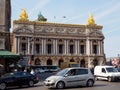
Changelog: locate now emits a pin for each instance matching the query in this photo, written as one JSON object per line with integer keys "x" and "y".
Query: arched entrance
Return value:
{"x": 82, "y": 63}
{"x": 49, "y": 62}
{"x": 60, "y": 61}
{"x": 72, "y": 60}
{"x": 37, "y": 61}
{"x": 95, "y": 62}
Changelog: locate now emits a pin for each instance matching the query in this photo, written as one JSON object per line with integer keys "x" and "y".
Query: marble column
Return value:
{"x": 65, "y": 47}
{"x": 87, "y": 47}
{"x": 28, "y": 49}
{"x": 54, "y": 46}
{"x": 44, "y": 46}
{"x": 76, "y": 47}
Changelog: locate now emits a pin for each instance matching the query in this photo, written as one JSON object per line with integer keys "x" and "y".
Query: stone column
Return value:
{"x": 18, "y": 45}
{"x": 99, "y": 48}
{"x": 102, "y": 47}
{"x": 67, "y": 48}
{"x": 87, "y": 46}
{"x": 33, "y": 47}
{"x": 44, "y": 46}
{"x": 15, "y": 43}
{"x": 91, "y": 47}
{"x": 28, "y": 49}
{"x": 54, "y": 46}
{"x": 76, "y": 47}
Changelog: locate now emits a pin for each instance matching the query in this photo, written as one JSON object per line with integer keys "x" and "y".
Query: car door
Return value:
{"x": 103, "y": 73}
{"x": 25, "y": 77}
{"x": 10, "y": 81}
{"x": 82, "y": 76}
{"x": 70, "y": 78}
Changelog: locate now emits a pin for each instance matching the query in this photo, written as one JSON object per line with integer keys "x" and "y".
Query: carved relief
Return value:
{"x": 60, "y": 30}
{"x": 96, "y": 33}
{"x": 48, "y": 29}
{"x": 71, "y": 30}
{"x": 23, "y": 29}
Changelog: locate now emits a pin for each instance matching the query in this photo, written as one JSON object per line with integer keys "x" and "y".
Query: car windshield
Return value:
{"x": 111, "y": 69}
{"x": 118, "y": 69}
{"x": 62, "y": 72}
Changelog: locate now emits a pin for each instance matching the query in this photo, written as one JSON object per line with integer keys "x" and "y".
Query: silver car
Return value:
{"x": 70, "y": 77}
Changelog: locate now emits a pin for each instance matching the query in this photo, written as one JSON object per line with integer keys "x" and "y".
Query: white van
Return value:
{"x": 109, "y": 73}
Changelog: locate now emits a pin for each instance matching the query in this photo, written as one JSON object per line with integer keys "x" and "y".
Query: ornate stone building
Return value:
{"x": 53, "y": 43}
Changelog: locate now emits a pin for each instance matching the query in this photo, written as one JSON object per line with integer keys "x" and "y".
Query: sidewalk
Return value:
{"x": 41, "y": 83}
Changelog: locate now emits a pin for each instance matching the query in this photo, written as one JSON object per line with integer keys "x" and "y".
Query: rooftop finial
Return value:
{"x": 23, "y": 15}
{"x": 91, "y": 20}
{"x": 41, "y": 17}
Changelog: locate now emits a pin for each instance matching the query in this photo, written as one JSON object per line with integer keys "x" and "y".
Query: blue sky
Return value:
{"x": 106, "y": 13}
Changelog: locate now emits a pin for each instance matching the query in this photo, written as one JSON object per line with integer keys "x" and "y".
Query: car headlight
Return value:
{"x": 52, "y": 80}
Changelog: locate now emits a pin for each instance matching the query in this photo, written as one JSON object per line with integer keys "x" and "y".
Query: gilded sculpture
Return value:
{"x": 23, "y": 15}
{"x": 91, "y": 20}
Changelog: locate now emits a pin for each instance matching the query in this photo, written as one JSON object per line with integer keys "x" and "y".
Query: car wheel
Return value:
{"x": 96, "y": 78}
{"x": 2, "y": 86}
{"x": 90, "y": 83}
{"x": 110, "y": 79}
{"x": 60, "y": 85}
{"x": 31, "y": 83}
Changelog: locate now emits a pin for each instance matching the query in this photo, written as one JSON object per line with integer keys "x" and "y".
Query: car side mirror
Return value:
{"x": 66, "y": 75}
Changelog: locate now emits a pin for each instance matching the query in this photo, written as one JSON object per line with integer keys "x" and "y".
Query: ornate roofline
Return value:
{"x": 56, "y": 24}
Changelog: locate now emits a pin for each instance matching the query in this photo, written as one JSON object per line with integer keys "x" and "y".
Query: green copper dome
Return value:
{"x": 41, "y": 17}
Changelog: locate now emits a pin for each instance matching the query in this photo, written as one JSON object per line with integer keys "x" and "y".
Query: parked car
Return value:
{"x": 118, "y": 69}
{"x": 109, "y": 73}
{"x": 68, "y": 77}
{"x": 17, "y": 78}
{"x": 39, "y": 70}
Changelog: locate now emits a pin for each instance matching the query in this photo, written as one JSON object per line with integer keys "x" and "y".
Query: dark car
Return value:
{"x": 17, "y": 78}
{"x": 118, "y": 69}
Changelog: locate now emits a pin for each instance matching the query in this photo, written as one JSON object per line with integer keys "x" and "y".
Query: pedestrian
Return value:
{"x": 32, "y": 71}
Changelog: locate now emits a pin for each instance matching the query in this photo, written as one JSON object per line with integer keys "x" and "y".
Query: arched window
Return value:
{"x": 49, "y": 62}
{"x": 37, "y": 61}
{"x": 72, "y": 60}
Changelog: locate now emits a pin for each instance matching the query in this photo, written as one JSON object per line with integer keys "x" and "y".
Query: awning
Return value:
{"x": 7, "y": 54}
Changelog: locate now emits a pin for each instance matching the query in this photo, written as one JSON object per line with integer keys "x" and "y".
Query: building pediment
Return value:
{"x": 23, "y": 29}
{"x": 96, "y": 33}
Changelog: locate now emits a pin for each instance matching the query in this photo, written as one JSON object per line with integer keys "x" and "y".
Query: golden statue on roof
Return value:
{"x": 23, "y": 15}
{"x": 91, "y": 20}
